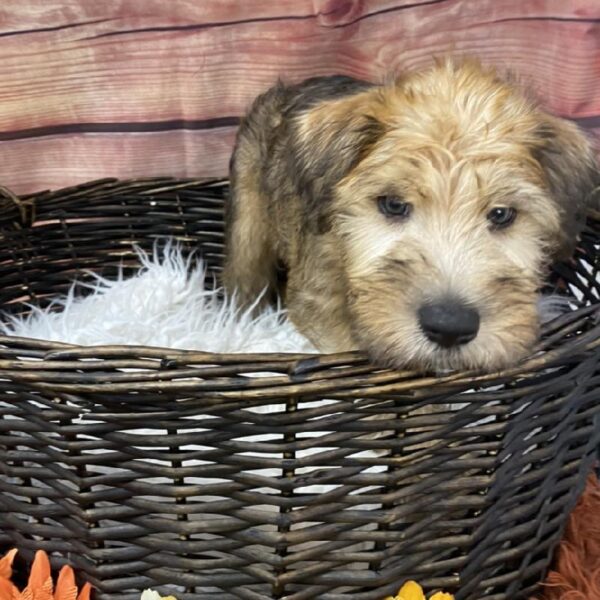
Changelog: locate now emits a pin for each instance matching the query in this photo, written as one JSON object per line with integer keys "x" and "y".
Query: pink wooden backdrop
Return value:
{"x": 126, "y": 88}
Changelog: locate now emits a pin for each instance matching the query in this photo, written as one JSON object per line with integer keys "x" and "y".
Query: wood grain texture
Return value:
{"x": 140, "y": 88}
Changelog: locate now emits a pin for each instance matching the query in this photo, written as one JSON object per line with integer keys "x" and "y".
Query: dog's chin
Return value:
{"x": 441, "y": 361}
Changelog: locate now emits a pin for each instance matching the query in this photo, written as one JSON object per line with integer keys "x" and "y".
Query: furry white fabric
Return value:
{"x": 166, "y": 304}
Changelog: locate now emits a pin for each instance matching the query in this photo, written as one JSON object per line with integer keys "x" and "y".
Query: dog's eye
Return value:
{"x": 501, "y": 216}
{"x": 394, "y": 206}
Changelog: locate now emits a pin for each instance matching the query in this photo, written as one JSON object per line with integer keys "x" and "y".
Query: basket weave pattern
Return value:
{"x": 274, "y": 476}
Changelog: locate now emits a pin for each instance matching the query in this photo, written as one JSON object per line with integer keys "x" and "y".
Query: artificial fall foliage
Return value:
{"x": 575, "y": 574}
{"x": 413, "y": 591}
{"x": 40, "y": 585}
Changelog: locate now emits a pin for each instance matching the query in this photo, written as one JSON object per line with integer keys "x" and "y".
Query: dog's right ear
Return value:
{"x": 330, "y": 140}
{"x": 572, "y": 175}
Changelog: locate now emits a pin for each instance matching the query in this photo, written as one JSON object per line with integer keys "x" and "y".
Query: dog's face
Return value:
{"x": 452, "y": 194}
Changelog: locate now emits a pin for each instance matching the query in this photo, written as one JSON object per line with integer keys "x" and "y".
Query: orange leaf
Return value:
{"x": 6, "y": 564}
{"x": 8, "y": 591}
{"x": 39, "y": 586}
{"x": 40, "y": 571}
{"x": 85, "y": 592}
{"x": 66, "y": 589}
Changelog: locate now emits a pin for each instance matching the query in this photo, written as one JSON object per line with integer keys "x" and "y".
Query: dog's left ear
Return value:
{"x": 330, "y": 140}
{"x": 572, "y": 176}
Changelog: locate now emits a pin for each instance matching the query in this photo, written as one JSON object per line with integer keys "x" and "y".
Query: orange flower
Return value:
{"x": 413, "y": 591}
{"x": 40, "y": 585}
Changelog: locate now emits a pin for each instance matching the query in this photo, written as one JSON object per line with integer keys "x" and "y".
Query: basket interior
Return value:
{"x": 95, "y": 228}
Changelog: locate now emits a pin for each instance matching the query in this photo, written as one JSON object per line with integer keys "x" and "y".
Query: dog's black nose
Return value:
{"x": 449, "y": 323}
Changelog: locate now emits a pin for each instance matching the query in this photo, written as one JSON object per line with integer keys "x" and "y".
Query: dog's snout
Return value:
{"x": 449, "y": 323}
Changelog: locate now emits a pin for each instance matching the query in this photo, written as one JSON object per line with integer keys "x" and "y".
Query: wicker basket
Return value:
{"x": 146, "y": 466}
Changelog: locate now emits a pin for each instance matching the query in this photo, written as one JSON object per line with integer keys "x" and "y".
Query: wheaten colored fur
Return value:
{"x": 455, "y": 141}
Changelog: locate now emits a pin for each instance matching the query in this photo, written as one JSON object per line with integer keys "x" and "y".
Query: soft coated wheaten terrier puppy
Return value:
{"x": 414, "y": 220}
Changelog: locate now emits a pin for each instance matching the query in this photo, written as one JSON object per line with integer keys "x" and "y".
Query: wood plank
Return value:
{"x": 55, "y": 161}
{"x": 80, "y": 66}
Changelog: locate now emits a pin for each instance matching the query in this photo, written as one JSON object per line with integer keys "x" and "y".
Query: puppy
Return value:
{"x": 414, "y": 220}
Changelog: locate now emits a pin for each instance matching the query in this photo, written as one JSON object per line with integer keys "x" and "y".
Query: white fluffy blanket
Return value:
{"x": 166, "y": 304}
